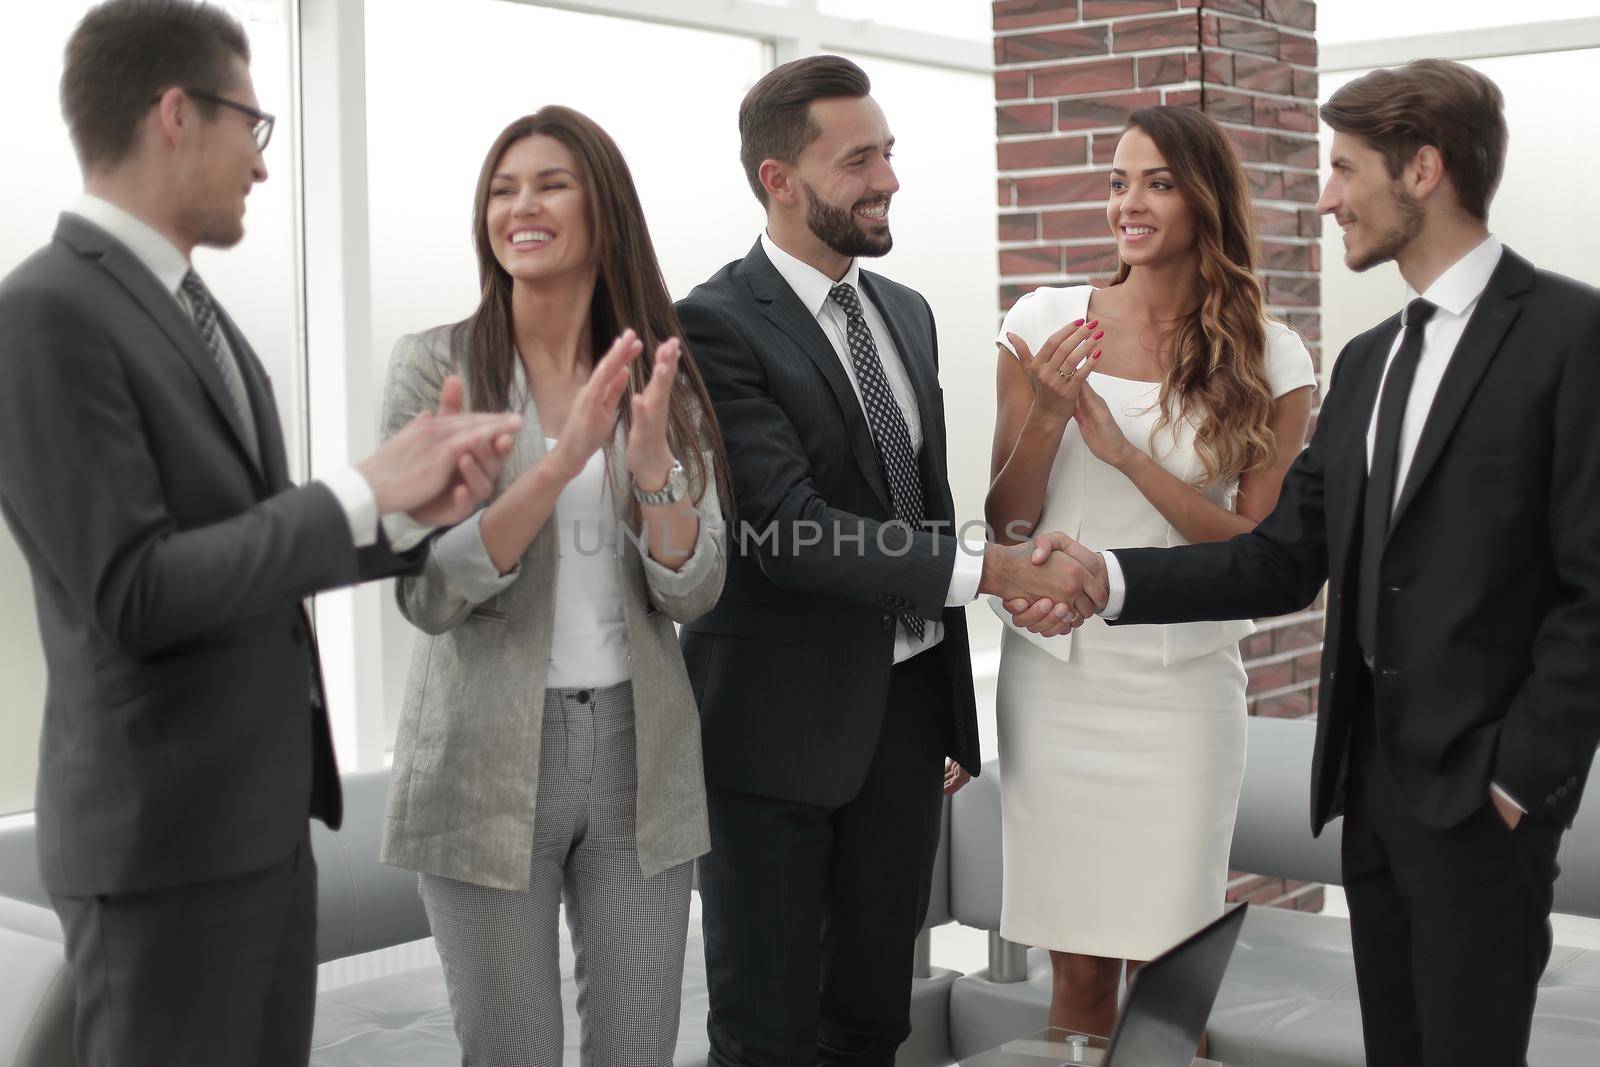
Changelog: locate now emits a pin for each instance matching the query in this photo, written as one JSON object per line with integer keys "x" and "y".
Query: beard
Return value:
{"x": 213, "y": 224}
{"x": 839, "y": 229}
{"x": 1391, "y": 242}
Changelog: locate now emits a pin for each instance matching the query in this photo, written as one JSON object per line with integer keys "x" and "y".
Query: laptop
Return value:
{"x": 1170, "y": 998}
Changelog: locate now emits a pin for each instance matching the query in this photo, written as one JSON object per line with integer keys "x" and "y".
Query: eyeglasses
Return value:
{"x": 261, "y": 132}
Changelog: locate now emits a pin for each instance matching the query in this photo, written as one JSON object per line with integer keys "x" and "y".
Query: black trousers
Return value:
{"x": 209, "y": 974}
{"x": 811, "y": 913}
{"x": 1451, "y": 927}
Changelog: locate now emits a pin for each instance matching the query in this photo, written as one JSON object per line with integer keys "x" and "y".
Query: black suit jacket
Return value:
{"x": 180, "y": 743}
{"x": 791, "y": 668}
{"x": 1488, "y": 659}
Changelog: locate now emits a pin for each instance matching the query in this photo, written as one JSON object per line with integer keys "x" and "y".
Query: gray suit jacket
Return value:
{"x": 466, "y": 764}
{"x": 180, "y": 741}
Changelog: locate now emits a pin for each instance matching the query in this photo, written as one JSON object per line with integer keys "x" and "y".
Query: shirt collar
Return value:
{"x": 1458, "y": 288}
{"x": 811, "y": 285}
{"x": 157, "y": 253}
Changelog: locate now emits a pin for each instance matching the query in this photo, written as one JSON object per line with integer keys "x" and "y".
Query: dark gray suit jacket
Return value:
{"x": 180, "y": 741}
{"x": 791, "y": 668}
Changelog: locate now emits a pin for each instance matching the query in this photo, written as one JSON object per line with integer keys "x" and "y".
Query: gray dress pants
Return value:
{"x": 500, "y": 948}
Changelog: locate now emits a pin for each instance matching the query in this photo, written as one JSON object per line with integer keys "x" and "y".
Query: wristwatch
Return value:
{"x": 676, "y": 489}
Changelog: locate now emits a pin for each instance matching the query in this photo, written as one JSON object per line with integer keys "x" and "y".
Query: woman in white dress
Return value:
{"x": 1122, "y": 749}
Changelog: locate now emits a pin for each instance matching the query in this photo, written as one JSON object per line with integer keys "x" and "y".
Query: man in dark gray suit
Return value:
{"x": 143, "y": 473}
{"x": 834, "y": 677}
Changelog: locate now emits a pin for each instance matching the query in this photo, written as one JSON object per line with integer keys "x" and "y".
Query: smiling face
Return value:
{"x": 1149, "y": 217}
{"x": 845, "y": 177}
{"x": 1377, "y": 213}
{"x": 223, "y": 166}
{"x": 537, "y": 215}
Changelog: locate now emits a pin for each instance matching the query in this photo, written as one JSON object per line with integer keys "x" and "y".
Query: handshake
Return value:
{"x": 1049, "y": 585}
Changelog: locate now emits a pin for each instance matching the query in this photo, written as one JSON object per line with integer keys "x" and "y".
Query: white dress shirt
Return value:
{"x": 815, "y": 292}
{"x": 169, "y": 266}
{"x": 1455, "y": 293}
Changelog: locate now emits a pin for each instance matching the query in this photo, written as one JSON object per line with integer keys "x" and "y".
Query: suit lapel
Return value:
{"x": 1478, "y": 346}
{"x": 115, "y": 259}
{"x": 783, "y": 309}
{"x": 1347, "y": 478}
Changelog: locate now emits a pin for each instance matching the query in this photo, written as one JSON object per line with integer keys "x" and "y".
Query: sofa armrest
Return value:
{"x": 37, "y": 1006}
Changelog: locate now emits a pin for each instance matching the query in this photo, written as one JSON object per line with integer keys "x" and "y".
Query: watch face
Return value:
{"x": 675, "y": 489}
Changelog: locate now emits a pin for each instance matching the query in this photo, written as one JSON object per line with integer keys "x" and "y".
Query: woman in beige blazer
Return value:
{"x": 549, "y": 746}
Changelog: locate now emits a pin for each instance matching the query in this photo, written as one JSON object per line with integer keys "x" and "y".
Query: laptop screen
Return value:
{"x": 1170, "y": 998}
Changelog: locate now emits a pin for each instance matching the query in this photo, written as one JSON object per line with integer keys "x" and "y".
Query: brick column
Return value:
{"x": 1067, "y": 74}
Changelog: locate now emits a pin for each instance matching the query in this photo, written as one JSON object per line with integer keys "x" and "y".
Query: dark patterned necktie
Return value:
{"x": 206, "y": 320}
{"x": 888, "y": 423}
{"x": 1385, "y": 465}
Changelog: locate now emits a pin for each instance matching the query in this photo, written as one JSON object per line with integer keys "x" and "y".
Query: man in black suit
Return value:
{"x": 143, "y": 474}
{"x": 834, "y": 675}
{"x": 1450, "y": 497}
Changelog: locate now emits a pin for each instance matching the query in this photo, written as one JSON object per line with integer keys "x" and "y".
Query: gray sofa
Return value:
{"x": 1289, "y": 997}
{"x": 401, "y": 1017}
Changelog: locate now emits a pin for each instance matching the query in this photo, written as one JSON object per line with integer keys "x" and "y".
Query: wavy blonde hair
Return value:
{"x": 1218, "y": 375}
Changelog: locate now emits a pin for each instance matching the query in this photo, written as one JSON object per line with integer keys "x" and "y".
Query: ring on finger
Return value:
{"x": 1066, "y": 375}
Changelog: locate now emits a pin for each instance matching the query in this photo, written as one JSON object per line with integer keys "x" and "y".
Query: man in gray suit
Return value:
{"x": 143, "y": 473}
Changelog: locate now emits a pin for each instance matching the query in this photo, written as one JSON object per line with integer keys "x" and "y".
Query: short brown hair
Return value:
{"x": 1430, "y": 102}
{"x": 124, "y": 52}
{"x": 775, "y": 117}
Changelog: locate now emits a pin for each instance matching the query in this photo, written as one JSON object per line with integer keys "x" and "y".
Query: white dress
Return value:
{"x": 1121, "y": 748}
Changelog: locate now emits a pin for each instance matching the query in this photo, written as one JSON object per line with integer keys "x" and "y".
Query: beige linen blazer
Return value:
{"x": 465, "y": 784}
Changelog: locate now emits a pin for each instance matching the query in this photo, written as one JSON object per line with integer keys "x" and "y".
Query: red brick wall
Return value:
{"x": 1067, "y": 73}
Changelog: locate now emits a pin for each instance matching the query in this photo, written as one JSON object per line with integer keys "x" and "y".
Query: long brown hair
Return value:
{"x": 629, "y": 292}
{"x": 1218, "y": 375}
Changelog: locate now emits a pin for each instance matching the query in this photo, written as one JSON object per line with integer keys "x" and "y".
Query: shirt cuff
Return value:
{"x": 1117, "y": 589}
{"x": 349, "y": 487}
{"x": 403, "y": 531}
{"x": 692, "y": 572}
{"x": 1507, "y": 797}
{"x": 461, "y": 554}
{"x": 967, "y": 574}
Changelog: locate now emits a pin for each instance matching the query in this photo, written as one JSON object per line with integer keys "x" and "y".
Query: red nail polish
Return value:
{"x": 1077, "y": 322}
{"x": 1097, "y": 335}
{"x": 1096, "y": 353}
{"x": 1093, "y": 323}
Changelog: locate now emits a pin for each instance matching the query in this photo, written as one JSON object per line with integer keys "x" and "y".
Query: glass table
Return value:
{"x": 1051, "y": 1047}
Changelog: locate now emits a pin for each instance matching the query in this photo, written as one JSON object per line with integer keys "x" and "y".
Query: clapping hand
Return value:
{"x": 1101, "y": 433}
{"x": 649, "y": 456}
{"x": 442, "y": 463}
{"x": 1057, "y": 372}
{"x": 593, "y": 417}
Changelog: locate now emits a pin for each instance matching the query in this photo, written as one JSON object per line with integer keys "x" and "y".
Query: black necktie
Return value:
{"x": 1385, "y": 464}
{"x": 887, "y": 421}
{"x": 204, "y": 307}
